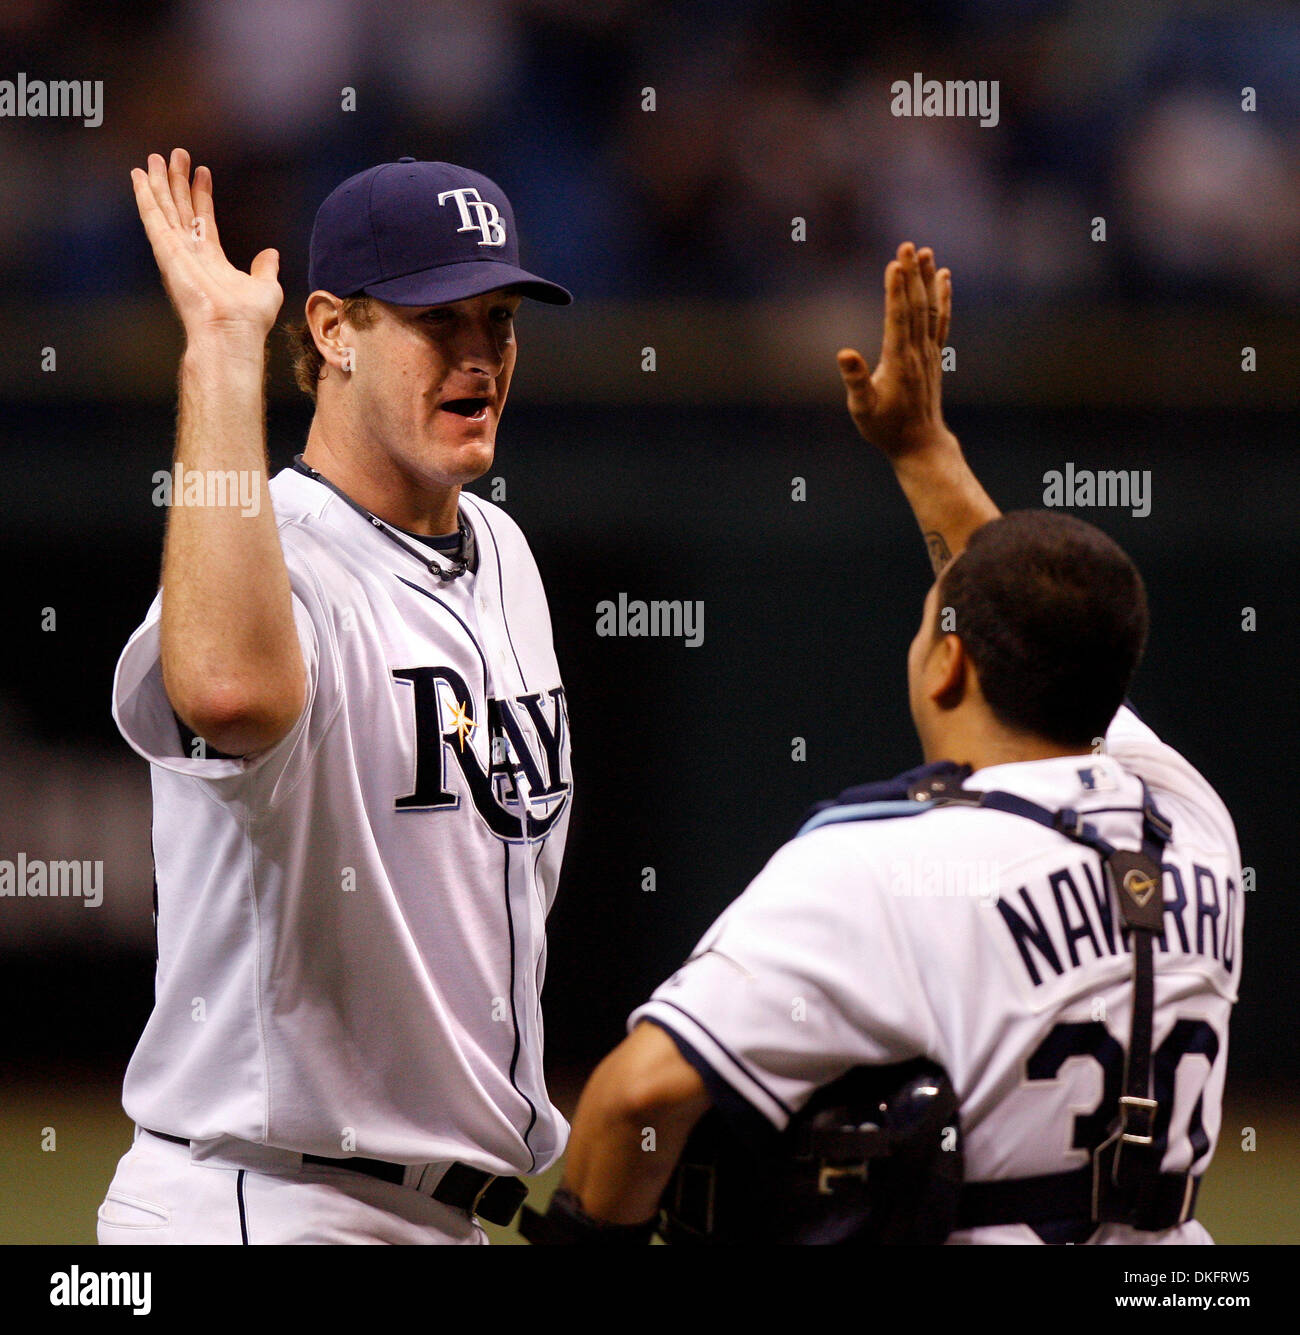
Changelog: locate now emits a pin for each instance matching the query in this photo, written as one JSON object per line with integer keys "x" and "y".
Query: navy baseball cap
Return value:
{"x": 420, "y": 234}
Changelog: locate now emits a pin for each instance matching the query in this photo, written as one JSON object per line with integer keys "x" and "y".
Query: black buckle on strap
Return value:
{"x": 1069, "y": 821}
{"x": 1161, "y": 825}
{"x": 1147, "y": 1200}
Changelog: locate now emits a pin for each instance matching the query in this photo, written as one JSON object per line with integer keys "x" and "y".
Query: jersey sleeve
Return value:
{"x": 144, "y": 716}
{"x": 1167, "y": 773}
{"x": 801, "y": 978}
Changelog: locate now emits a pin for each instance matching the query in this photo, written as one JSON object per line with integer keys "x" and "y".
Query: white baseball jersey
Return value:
{"x": 989, "y": 944}
{"x": 351, "y": 924}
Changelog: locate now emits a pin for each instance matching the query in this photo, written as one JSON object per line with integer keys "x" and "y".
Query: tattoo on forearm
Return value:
{"x": 938, "y": 549}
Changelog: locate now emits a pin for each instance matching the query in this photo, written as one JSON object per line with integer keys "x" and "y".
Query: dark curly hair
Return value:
{"x": 1054, "y": 617}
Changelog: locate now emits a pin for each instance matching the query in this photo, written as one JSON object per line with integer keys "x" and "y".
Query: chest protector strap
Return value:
{"x": 1124, "y": 1183}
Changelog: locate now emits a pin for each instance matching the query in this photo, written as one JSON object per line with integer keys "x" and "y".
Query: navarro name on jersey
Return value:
{"x": 1073, "y": 920}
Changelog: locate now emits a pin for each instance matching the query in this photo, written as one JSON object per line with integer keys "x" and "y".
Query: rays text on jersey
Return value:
{"x": 514, "y": 776}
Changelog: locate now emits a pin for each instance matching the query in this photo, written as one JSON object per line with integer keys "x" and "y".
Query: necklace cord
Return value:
{"x": 459, "y": 563}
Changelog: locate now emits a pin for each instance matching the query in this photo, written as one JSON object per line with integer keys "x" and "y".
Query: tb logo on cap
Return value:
{"x": 477, "y": 215}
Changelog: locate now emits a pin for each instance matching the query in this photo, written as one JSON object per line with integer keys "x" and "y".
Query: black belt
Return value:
{"x": 1164, "y": 1201}
{"x": 496, "y": 1199}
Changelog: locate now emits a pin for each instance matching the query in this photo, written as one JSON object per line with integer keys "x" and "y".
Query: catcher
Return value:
{"x": 984, "y": 1002}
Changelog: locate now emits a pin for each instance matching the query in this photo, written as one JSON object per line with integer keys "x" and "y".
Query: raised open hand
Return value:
{"x": 896, "y": 407}
{"x": 211, "y": 296}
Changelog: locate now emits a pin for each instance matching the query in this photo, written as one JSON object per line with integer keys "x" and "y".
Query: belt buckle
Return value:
{"x": 479, "y": 1194}
{"x": 509, "y": 1198}
{"x": 1130, "y": 1103}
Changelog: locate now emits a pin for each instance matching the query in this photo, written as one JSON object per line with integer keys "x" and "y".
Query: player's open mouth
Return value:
{"x": 473, "y": 410}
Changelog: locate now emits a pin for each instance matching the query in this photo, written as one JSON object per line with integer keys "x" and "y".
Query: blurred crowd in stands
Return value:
{"x": 764, "y": 111}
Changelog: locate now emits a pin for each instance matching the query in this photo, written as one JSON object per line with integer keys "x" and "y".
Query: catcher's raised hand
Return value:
{"x": 210, "y": 294}
{"x": 896, "y": 407}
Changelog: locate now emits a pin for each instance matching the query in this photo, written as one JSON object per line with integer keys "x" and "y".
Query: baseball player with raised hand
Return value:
{"x": 986, "y": 1001}
{"x": 349, "y": 700}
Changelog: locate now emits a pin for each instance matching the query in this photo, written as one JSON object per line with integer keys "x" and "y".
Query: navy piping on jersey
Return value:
{"x": 243, "y": 1214}
{"x": 514, "y": 1014}
{"x": 501, "y": 588}
{"x": 722, "y": 1047}
{"x": 510, "y": 923}
{"x": 514, "y": 1019}
{"x": 739, "y": 1114}
{"x": 482, "y": 658}
{"x": 541, "y": 848}
{"x": 153, "y": 873}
